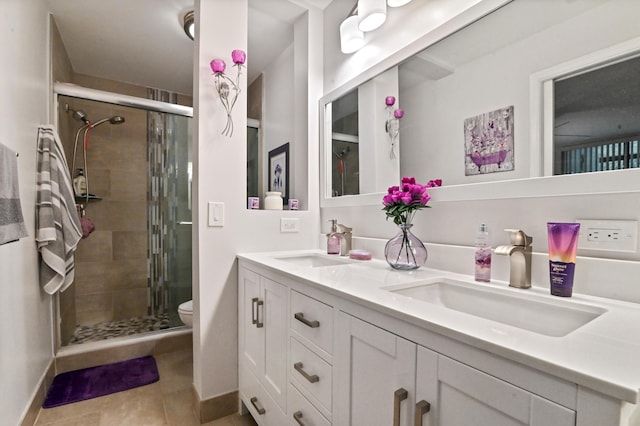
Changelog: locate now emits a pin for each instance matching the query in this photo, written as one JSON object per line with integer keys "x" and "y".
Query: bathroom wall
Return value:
{"x": 449, "y": 227}
{"x": 26, "y": 338}
{"x": 220, "y": 176}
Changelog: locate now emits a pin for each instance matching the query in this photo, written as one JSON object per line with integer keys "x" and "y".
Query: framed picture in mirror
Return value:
{"x": 279, "y": 171}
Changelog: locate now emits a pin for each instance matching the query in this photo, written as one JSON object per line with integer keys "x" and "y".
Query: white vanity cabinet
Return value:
{"x": 313, "y": 355}
{"x": 262, "y": 346}
{"x": 387, "y": 380}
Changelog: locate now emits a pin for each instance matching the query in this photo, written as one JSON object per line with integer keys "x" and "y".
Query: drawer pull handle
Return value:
{"x": 422, "y": 408}
{"x": 297, "y": 416}
{"x": 300, "y": 317}
{"x": 258, "y": 407}
{"x": 311, "y": 378}
{"x": 398, "y": 396}
{"x": 258, "y": 304}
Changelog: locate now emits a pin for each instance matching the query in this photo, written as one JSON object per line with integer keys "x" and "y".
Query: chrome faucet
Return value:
{"x": 345, "y": 238}
{"x": 519, "y": 253}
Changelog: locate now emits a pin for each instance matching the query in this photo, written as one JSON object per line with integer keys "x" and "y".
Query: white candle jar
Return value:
{"x": 273, "y": 201}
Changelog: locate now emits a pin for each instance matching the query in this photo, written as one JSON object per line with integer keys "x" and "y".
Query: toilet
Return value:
{"x": 185, "y": 310}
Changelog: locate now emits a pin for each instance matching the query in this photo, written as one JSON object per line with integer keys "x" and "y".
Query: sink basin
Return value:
{"x": 554, "y": 318}
{"x": 314, "y": 260}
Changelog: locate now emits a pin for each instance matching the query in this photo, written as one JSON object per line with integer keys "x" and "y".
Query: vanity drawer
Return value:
{"x": 312, "y": 320}
{"x": 311, "y": 375}
{"x": 302, "y": 412}
{"x": 262, "y": 407}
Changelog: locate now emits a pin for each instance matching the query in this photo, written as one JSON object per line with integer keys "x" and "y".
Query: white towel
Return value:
{"x": 12, "y": 225}
{"x": 58, "y": 227}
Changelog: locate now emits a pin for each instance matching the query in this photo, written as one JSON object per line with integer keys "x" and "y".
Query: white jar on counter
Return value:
{"x": 273, "y": 200}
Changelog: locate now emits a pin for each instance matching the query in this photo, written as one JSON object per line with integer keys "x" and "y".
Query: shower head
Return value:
{"x": 116, "y": 119}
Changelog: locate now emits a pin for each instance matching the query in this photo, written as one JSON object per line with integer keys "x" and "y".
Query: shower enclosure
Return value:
{"x": 133, "y": 271}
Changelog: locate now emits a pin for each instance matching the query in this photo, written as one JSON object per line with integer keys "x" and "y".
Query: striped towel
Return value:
{"x": 12, "y": 225}
{"x": 58, "y": 227}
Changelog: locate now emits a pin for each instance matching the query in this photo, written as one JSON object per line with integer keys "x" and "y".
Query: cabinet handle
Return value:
{"x": 398, "y": 396}
{"x": 422, "y": 408}
{"x": 297, "y": 416}
{"x": 300, "y": 317}
{"x": 258, "y": 407}
{"x": 254, "y": 319}
{"x": 258, "y": 304}
{"x": 311, "y": 378}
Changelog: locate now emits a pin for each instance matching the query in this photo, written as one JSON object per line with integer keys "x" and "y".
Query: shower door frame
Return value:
{"x": 75, "y": 91}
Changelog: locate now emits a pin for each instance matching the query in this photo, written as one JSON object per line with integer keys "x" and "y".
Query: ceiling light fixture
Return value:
{"x": 189, "y": 25}
{"x": 397, "y": 3}
{"x": 351, "y": 38}
{"x": 372, "y": 14}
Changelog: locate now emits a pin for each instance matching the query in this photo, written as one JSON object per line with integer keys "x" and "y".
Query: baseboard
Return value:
{"x": 214, "y": 408}
{"x": 31, "y": 414}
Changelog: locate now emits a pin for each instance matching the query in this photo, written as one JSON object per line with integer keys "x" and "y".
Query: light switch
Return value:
{"x": 216, "y": 213}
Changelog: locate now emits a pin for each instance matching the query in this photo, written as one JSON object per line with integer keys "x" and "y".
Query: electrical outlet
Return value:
{"x": 288, "y": 224}
{"x": 608, "y": 235}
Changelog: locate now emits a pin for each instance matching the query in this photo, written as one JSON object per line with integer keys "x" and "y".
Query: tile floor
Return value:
{"x": 124, "y": 327}
{"x": 167, "y": 402}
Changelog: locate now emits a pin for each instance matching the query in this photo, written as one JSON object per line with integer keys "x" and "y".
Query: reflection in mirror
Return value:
{"x": 253, "y": 158}
{"x": 488, "y": 66}
{"x": 360, "y": 144}
{"x": 344, "y": 145}
{"x": 277, "y": 85}
{"x": 596, "y": 125}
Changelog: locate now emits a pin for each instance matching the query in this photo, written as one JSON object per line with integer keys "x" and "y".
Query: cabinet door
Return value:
{"x": 372, "y": 369}
{"x": 274, "y": 316}
{"x": 263, "y": 333}
{"x": 462, "y": 395}
{"x": 251, "y": 337}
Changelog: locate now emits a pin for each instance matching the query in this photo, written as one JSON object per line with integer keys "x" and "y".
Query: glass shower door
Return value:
{"x": 169, "y": 213}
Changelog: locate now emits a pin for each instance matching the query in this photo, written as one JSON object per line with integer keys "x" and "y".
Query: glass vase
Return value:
{"x": 405, "y": 251}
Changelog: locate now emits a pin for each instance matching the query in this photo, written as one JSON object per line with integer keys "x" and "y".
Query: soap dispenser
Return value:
{"x": 333, "y": 240}
{"x": 483, "y": 254}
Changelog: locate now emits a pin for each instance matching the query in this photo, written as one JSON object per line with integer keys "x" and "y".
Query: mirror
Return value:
{"x": 278, "y": 33}
{"x": 488, "y": 68}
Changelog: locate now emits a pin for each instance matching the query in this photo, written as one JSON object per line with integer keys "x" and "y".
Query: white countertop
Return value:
{"x": 603, "y": 355}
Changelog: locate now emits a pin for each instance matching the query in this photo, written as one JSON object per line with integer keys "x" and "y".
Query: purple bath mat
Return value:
{"x": 93, "y": 382}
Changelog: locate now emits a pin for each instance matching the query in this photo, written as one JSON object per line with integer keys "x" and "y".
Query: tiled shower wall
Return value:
{"x": 111, "y": 264}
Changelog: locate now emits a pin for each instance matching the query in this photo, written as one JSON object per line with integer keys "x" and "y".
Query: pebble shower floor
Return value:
{"x": 125, "y": 327}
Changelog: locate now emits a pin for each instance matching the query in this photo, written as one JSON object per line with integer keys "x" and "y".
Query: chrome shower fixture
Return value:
{"x": 78, "y": 114}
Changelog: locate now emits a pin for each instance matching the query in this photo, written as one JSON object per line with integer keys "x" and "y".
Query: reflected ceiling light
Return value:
{"x": 397, "y": 3}
{"x": 351, "y": 38}
{"x": 372, "y": 14}
{"x": 189, "y": 25}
